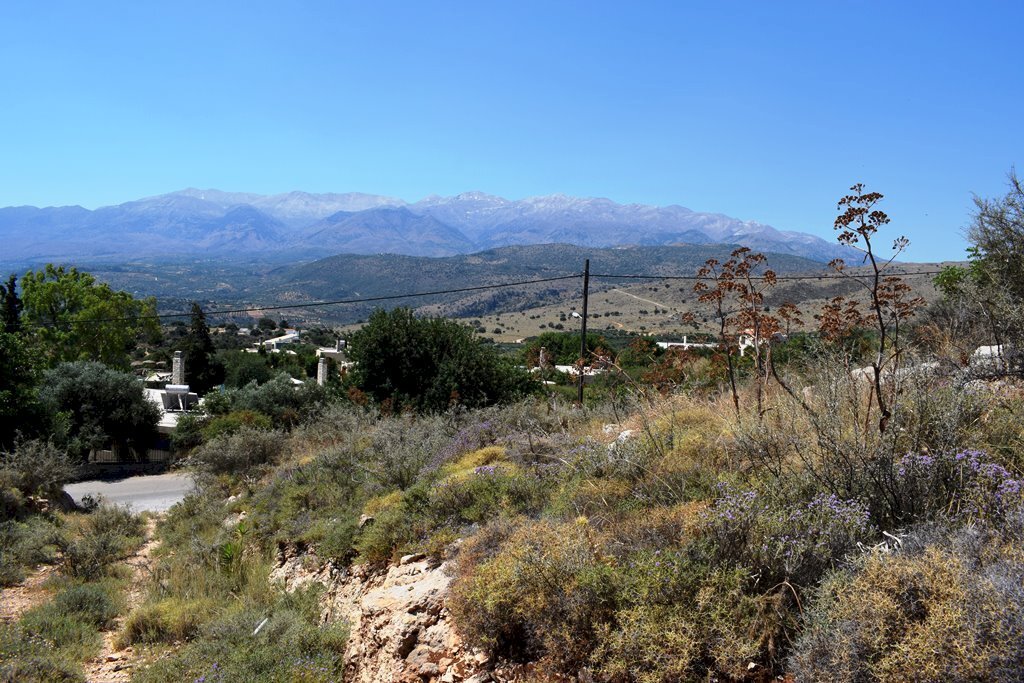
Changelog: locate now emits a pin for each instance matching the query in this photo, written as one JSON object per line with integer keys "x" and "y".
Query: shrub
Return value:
{"x": 39, "y": 668}
{"x": 116, "y": 520}
{"x": 25, "y": 544}
{"x": 166, "y": 621}
{"x": 829, "y": 437}
{"x": 234, "y": 422}
{"x": 547, "y": 594}
{"x": 239, "y": 454}
{"x": 97, "y": 604}
{"x": 37, "y": 468}
{"x": 401, "y": 448}
{"x": 945, "y": 608}
{"x": 107, "y": 535}
{"x": 291, "y": 646}
{"x": 778, "y": 541}
{"x": 679, "y": 619}
{"x": 486, "y": 491}
{"x": 315, "y": 502}
{"x": 75, "y": 637}
{"x": 428, "y": 516}
{"x": 964, "y": 485}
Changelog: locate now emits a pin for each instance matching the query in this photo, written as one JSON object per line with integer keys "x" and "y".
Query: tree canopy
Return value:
{"x": 19, "y": 374}
{"x": 94, "y": 406}
{"x": 10, "y": 316}
{"x": 430, "y": 364}
{"x": 990, "y": 291}
{"x": 73, "y": 317}
{"x": 202, "y": 370}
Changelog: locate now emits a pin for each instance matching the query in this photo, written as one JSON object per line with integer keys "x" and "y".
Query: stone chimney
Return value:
{"x": 178, "y": 368}
{"x": 321, "y": 371}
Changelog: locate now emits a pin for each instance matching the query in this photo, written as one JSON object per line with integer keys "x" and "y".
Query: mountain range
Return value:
{"x": 301, "y": 225}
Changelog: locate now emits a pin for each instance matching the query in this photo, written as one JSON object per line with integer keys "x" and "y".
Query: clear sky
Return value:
{"x": 761, "y": 110}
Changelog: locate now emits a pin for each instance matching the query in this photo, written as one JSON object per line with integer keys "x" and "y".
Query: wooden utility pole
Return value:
{"x": 583, "y": 329}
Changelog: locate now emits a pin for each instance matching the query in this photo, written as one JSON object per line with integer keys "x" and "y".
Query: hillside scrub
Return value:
{"x": 51, "y": 640}
{"x": 696, "y": 543}
{"x": 702, "y": 516}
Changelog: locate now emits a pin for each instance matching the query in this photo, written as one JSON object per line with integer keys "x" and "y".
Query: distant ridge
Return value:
{"x": 239, "y": 225}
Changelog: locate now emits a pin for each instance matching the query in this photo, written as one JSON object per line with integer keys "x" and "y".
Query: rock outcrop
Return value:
{"x": 399, "y": 626}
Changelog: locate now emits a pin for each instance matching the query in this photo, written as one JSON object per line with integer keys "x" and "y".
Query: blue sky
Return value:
{"x": 763, "y": 111}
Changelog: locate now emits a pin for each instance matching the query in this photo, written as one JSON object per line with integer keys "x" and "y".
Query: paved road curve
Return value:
{"x": 153, "y": 492}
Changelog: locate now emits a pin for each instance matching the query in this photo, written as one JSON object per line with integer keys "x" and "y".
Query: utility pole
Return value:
{"x": 583, "y": 329}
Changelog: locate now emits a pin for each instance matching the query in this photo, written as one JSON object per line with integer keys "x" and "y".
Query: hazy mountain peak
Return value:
{"x": 298, "y": 223}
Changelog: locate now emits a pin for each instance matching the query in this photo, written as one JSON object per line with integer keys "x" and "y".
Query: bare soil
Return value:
{"x": 17, "y": 599}
{"x": 112, "y": 665}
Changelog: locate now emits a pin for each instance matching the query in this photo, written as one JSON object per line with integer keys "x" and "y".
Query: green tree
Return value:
{"x": 94, "y": 406}
{"x": 241, "y": 368}
{"x": 430, "y": 364}
{"x": 12, "y": 305}
{"x": 19, "y": 374}
{"x": 73, "y": 317}
{"x": 203, "y": 370}
{"x": 987, "y": 297}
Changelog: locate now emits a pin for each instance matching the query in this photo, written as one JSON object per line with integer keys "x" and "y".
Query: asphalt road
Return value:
{"x": 152, "y": 492}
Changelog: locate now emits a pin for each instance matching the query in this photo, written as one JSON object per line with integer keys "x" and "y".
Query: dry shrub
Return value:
{"x": 166, "y": 621}
{"x": 658, "y": 527}
{"x": 246, "y": 451}
{"x": 830, "y": 438}
{"x": 946, "y": 608}
{"x": 545, "y": 595}
{"x": 593, "y": 498}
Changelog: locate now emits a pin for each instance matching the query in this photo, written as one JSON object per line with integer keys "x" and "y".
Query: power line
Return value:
{"x": 459, "y": 290}
{"x": 313, "y": 304}
{"x": 780, "y": 278}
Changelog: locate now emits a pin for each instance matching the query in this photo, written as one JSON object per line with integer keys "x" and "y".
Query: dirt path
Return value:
{"x": 112, "y": 665}
{"x": 640, "y": 298}
{"x": 25, "y": 595}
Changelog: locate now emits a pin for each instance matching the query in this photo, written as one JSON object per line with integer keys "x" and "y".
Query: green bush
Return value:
{"x": 285, "y": 403}
{"x": 97, "y": 604}
{"x": 291, "y": 646}
{"x": 108, "y": 534}
{"x": 189, "y": 432}
{"x": 430, "y": 364}
{"x": 96, "y": 406}
{"x": 234, "y": 422}
{"x": 242, "y": 453}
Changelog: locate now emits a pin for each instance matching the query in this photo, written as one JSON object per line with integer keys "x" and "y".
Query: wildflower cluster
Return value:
{"x": 470, "y": 438}
{"x": 964, "y": 485}
{"x": 793, "y": 542}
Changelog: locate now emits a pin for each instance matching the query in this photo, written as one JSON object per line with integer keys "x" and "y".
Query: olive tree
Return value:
{"x": 94, "y": 406}
{"x": 430, "y": 364}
